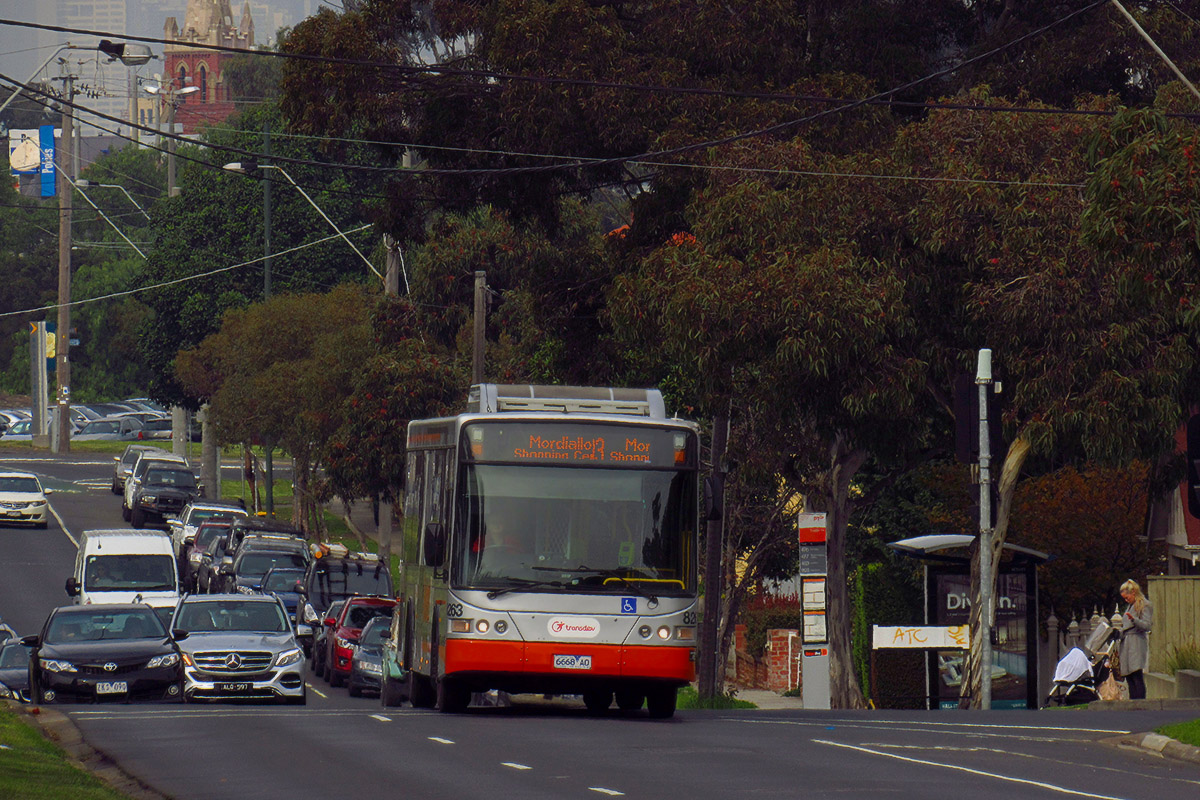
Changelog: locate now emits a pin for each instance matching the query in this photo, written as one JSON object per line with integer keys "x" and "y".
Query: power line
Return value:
{"x": 176, "y": 281}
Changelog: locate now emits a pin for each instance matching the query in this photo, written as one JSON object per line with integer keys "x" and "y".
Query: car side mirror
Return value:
{"x": 72, "y": 586}
{"x": 329, "y": 622}
{"x": 47, "y": 491}
{"x": 31, "y": 641}
{"x": 303, "y": 630}
{"x": 178, "y": 634}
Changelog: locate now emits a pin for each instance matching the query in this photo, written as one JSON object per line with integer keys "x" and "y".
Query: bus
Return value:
{"x": 549, "y": 546}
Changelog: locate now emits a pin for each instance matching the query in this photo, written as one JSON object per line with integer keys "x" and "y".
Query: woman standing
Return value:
{"x": 1135, "y": 642}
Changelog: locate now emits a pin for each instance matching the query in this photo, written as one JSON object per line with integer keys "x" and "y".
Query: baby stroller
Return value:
{"x": 1078, "y": 674}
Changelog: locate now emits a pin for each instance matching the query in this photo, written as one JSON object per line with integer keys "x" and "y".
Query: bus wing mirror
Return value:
{"x": 72, "y": 586}
{"x": 435, "y": 544}
{"x": 712, "y": 500}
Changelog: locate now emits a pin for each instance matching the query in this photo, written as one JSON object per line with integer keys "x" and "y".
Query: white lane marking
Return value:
{"x": 380, "y": 718}
{"x": 514, "y": 765}
{"x": 440, "y": 740}
{"x": 882, "y": 722}
{"x": 997, "y": 776}
{"x": 62, "y": 525}
{"x": 977, "y": 734}
{"x": 610, "y": 792}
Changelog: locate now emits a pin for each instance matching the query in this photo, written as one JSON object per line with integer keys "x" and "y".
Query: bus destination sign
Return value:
{"x": 581, "y": 445}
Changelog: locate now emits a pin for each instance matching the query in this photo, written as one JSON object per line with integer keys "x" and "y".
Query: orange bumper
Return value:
{"x": 609, "y": 660}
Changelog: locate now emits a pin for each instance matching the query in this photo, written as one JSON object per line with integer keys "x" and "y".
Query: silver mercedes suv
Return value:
{"x": 238, "y": 647}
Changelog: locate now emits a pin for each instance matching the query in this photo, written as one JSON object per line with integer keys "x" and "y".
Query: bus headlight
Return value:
{"x": 664, "y": 632}
{"x": 482, "y": 626}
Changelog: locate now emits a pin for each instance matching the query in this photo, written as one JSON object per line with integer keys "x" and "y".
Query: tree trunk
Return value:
{"x": 972, "y": 680}
{"x": 843, "y": 682}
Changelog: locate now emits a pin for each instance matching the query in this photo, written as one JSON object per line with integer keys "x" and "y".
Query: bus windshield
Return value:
{"x": 576, "y": 530}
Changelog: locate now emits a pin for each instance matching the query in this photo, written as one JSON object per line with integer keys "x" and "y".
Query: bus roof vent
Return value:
{"x": 510, "y": 397}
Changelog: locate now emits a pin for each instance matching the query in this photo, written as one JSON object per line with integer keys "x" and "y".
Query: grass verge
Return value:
{"x": 689, "y": 698}
{"x": 1186, "y": 732}
{"x": 33, "y": 768}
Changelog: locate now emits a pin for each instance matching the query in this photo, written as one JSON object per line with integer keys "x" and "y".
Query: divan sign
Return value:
{"x": 573, "y": 627}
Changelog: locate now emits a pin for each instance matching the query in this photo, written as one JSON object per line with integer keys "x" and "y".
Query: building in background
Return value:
{"x": 205, "y": 22}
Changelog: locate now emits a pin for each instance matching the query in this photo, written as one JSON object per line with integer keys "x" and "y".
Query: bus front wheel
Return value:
{"x": 661, "y": 702}
{"x": 597, "y": 702}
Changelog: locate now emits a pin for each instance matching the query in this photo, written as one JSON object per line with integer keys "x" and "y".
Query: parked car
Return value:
{"x": 239, "y": 647}
{"x": 339, "y": 575}
{"x": 248, "y": 526}
{"x": 19, "y": 431}
{"x": 104, "y": 653}
{"x": 156, "y": 428}
{"x": 316, "y": 650}
{"x": 123, "y": 464}
{"x": 14, "y": 671}
{"x": 244, "y": 574}
{"x": 163, "y": 492}
{"x": 366, "y": 667}
{"x": 281, "y": 582}
{"x": 143, "y": 462}
{"x": 208, "y": 577}
{"x": 342, "y": 641}
{"x": 204, "y": 544}
{"x": 183, "y": 528}
{"x": 109, "y": 429}
{"x": 22, "y": 499}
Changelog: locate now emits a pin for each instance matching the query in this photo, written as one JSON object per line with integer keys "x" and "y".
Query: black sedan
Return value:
{"x": 104, "y": 653}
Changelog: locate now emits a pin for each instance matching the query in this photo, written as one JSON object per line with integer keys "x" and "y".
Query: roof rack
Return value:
{"x": 518, "y": 397}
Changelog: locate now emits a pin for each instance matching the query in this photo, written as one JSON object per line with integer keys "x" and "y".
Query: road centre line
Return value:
{"x": 514, "y": 765}
{"x": 997, "y": 776}
{"x": 316, "y": 691}
{"x": 880, "y": 724}
{"x": 380, "y": 717}
{"x": 610, "y": 792}
{"x": 439, "y": 740}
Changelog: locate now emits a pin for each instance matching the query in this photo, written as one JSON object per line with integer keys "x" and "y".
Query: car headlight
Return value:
{"x": 7, "y": 693}
{"x": 368, "y": 666}
{"x": 288, "y": 657}
{"x": 147, "y": 499}
{"x": 54, "y": 665}
{"x": 168, "y": 660}
{"x": 345, "y": 644}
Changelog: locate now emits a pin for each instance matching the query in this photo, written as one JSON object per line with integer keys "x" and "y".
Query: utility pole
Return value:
{"x": 268, "y": 445}
{"x": 479, "y": 327}
{"x": 713, "y": 573}
{"x": 61, "y": 439}
{"x": 983, "y": 378}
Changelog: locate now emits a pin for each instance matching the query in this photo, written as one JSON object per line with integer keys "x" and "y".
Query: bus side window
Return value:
{"x": 414, "y": 493}
{"x": 431, "y": 511}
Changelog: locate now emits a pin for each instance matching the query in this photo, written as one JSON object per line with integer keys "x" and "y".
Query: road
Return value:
{"x": 338, "y": 744}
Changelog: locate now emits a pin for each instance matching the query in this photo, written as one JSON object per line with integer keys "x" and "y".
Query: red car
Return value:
{"x": 344, "y": 633}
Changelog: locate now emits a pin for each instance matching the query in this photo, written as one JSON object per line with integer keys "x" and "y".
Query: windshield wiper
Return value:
{"x": 525, "y": 583}
{"x": 606, "y": 573}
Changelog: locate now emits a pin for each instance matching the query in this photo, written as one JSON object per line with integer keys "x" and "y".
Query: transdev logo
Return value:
{"x": 573, "y": 627}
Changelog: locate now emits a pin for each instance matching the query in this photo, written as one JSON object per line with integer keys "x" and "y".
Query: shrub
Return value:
{"x": 767, "y": 612}
{"x": 1183, "y": 656}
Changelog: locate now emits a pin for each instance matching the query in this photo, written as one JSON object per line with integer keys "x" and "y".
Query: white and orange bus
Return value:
{"x": 550, "y": 547}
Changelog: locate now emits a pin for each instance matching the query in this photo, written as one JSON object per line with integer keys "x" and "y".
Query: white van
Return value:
{"x": 124, "y": 566}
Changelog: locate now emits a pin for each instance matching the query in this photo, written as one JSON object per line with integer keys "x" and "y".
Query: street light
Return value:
{"x": 172, "y": 98}
{"x": 131, "y": 55}
{"x": 246, "y": 167}
{"x": 85, "y": 184}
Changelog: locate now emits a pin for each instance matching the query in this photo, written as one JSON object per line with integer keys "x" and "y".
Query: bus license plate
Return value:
{"x": 572, "y": 662}
{"x": 233, "y": 687}
{"x": 114, "y": 687}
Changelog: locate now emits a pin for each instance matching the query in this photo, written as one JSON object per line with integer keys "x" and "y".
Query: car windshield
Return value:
{"x": 135, "y": 624}
{"x": 207, "y": 535}
{"x": 374, "y": 633}
{"x": 130, "y": 573}
{"x": 341, "y": 579}
{"x": 182, "y": 478}
{"x": 359, "y": 615}
{"x": 231, "y": 615}
{"x": 257, "y": 564}
{"x": 282, "y": 580}
{"x": 131, "y": 457}
{"x": 19, "y": 485}
{"x": 14, "y": 656}
{"x": 199, "y": 515}
{"x": 158, "y": 425}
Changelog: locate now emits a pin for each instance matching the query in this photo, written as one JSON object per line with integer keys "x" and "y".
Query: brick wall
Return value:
{"x": 783, "y": 668}
{"x": 770, "y": 671}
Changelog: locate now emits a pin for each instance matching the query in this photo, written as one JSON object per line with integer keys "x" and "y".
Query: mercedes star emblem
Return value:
{"x": 233, "y": 661}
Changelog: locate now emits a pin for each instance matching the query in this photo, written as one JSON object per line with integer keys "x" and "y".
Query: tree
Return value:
{"x": 280, "y": 370}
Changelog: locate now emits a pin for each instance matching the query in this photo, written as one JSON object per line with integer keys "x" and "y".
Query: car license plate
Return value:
{"x": 572, "y": 662}
{"x": 12, "y": 513}
{"x": 112, "y": 687}
{"x": 233, "y": 687}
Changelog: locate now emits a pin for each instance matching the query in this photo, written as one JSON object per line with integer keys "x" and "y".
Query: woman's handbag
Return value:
{"x": 1109, "y": 689}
